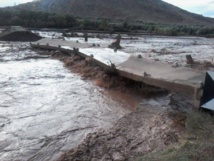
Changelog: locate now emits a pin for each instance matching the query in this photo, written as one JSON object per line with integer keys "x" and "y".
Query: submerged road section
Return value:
{"x": 150, "y": 72}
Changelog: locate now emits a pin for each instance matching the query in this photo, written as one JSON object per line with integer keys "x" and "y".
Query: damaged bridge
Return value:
{"x": 150, "y": 72}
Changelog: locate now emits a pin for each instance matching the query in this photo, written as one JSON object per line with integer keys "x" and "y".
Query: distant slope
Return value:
{"x": 136, "y": 10}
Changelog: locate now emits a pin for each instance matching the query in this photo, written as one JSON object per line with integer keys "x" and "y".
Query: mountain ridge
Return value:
{"x": 155, "y": 11}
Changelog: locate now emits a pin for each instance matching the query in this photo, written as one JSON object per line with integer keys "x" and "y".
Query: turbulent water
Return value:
{"x": 44, "y": 109}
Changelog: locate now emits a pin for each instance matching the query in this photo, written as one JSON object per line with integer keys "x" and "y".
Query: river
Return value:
{"x": 45, "y": 109}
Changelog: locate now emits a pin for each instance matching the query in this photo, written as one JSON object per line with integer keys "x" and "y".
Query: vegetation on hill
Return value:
{"x": 144, "y": 16}
{"x": 35, "y": 19}
{"x": 52, "y": 20}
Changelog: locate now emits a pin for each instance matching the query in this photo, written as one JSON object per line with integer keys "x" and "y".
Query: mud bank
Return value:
{"x": 148, "y": 129}
{"x": 20, "y": 34}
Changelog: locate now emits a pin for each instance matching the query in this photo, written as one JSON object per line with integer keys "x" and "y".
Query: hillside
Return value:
{"x": 135, "y": 10}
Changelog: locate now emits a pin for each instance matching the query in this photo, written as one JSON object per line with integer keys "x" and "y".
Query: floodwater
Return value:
{"x": 166, "y": 49}
{"x": 46, "y": 110}
{"x": 171, "y": 49}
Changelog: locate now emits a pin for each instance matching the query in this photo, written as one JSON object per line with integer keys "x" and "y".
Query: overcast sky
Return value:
{"x": 203, "y": 7}
{"x": 4, "y": 3}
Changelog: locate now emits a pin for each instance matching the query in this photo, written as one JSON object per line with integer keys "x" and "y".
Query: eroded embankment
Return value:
{"x": 144, "y": 131}
{"x": 155, "y": 124}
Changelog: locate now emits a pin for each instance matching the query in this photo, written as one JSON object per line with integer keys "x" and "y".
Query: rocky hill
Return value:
{"x": 135, "y": 10}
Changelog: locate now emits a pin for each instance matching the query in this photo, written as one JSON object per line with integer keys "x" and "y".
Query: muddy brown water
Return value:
{"x": 44, "y": 108}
